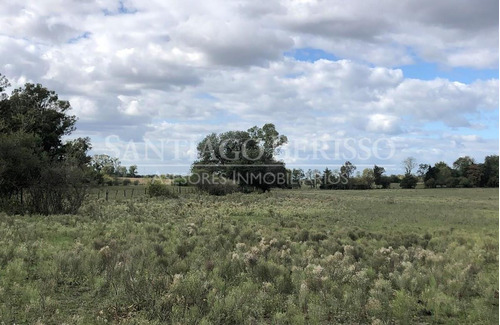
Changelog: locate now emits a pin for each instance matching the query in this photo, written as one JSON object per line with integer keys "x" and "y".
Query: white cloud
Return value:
{"x": 186, "y": 68}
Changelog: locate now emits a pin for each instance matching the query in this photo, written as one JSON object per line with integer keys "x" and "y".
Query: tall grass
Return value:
{"x": 285, "y": 257}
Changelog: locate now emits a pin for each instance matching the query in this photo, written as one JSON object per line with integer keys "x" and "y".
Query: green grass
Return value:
{"x": 285, "y": 257}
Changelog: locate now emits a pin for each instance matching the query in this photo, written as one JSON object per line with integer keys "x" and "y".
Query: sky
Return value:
{"x": 369, "y": 81}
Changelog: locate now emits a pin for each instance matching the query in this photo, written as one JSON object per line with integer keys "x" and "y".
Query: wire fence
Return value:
{"x": 131, "y": 192}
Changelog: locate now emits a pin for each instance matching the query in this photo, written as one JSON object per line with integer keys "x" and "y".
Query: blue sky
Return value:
{"x": 423, "y": 79}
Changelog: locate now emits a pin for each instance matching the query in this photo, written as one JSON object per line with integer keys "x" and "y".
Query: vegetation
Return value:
{"x": 38, "y": 172}
{"x": 245, "y": 157}
{"x": 284, "y": 257}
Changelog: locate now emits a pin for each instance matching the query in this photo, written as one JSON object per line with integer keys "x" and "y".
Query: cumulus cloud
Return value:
{"x": 154, "y": 70}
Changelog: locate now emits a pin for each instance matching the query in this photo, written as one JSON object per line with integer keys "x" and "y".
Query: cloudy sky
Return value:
{"x": 365, "y": 81}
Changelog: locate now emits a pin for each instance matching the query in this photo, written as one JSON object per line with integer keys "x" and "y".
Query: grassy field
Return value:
{"x": 285, "y": 257}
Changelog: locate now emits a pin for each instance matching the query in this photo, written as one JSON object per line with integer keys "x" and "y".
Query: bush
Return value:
{"x": 126, "y": 182}
{"x": 158, "y": 189}
{"x": 180, "y": 181}
{"x": 409, "y": 181}
{"x": 60, "y": 189}
{"x": 430, "y": 183}
{"x": 136, "y": 182}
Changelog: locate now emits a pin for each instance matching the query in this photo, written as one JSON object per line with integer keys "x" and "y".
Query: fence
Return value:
{"x": 130, "y": 192}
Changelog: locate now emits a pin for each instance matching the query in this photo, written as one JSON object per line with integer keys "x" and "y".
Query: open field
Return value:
{"x": 285, "y": 257}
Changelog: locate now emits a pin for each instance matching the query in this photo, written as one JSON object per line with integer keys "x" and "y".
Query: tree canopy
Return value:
{"x": 245, "y": 157}
{"x": 34, "y": 160}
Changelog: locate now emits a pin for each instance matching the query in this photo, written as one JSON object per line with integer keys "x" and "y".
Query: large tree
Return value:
{"x": 33, "y": 157}
{"x": 33, "y": 109}
{"x": 246, "y": 157}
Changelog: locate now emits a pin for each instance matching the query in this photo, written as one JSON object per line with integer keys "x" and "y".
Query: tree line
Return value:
{"x": 246, "y": 161}
{"x": 465, "y": 172}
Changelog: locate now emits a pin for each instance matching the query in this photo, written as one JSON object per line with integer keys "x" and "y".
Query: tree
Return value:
{"x": 443, "y": 173}
{"x": 326, "y": 179}
{"x": 409, "y": 181}
{"x": 475, "y": 174}
{"x": 132, "y": 171}
{"x": 245, "y": 157}
{"x": 34, "y": 109}
{"x": 409, "y": 164}
{"x": 347, "y": 171}
{"x": 20, "y": 162}
{"x": 377, "y": 174}
{"x": 105, "y": 164}
{"x": 490, "y": 171}
{"x": 422, "y": 170}
{"x": 77, "y": 149}
{"x": 462, "y": 164}
{"x": 368, "y": 177}
{"x": 33, "y": 157}
{"x": 297, "y": 176}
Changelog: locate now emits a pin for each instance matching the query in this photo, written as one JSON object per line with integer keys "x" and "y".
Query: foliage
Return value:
{"x": 409, "y": 164}
{"x": 219, "y": 186}
{"x": 465, "y": 173}
{"x": 409, "y": 181}
{"x": 38, "y": 172}
{"x": 246, "y": 157}
{"x": 156, "y": 188}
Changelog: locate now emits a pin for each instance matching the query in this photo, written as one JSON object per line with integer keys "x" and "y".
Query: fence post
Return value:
{"x": 98, "y": 194}
{"x": 132, "y": 195}
{"x": 124, "y": 193}
{"x": 107, "y": 192}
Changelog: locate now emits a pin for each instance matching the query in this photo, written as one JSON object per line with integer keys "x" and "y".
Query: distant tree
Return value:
{"x": 475, "y": 174}
{"x": 395, "y": 179}
{"x": 409, "y": 181}
{"x": 132, "y": 171}
{"x": 368, "y": 177}
{"x": 462, "y": 164}
{"x": 121, "y": 171}
{"x": 297, "y": 176}
{"x": 422, "y": 170}
{"x": 377, "y": 174}
{"x": 246, "y": 157}
{"x": 409, "y": 164}
{"x": 490, "y": 171}
{"x": 348, "y": 169}
{"x": 105, "y": 164}
{"x": 443, "y": 173}
{"x": 326, "y": 179}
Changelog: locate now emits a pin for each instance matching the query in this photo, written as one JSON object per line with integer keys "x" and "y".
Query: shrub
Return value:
{"x": 136, "y": 182}
{"x": 430, "y": 183}
{"x": 126, "y": 182}
{"x": 180, "y": 181}
{"x": 158, "y": 189}
{"x": 409, "y": 181}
